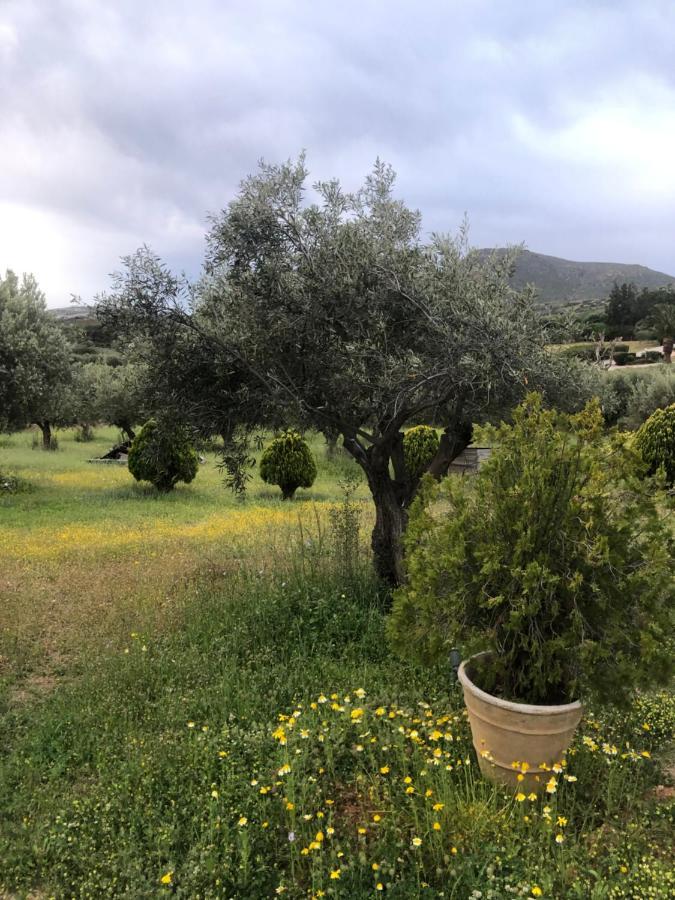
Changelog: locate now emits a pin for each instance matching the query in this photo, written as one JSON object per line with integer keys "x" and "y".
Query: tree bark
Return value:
{"x": 392, "y": 496}
{"x": 391, "y": 519}
{"x": 46, "y": 429}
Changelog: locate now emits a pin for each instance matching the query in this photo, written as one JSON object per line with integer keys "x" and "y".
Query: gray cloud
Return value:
{"x": 550, "y": 123}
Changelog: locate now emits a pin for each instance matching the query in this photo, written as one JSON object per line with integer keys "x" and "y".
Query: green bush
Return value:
{"x": 162, "y": 455}
{"x": 420, "y": 445}
{"x": 622, "y": 358}
{"x": 288, "y": 462}
{"x": 648, "y": 394}
{"x": 553, "y": 558}
{"x": 655, "y": 441}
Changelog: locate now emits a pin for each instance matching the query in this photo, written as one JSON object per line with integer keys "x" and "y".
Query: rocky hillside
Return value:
{"x": 563, "y": 280}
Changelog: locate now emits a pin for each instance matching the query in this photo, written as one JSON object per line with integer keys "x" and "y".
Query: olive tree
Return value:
{"x": 35, "y": 369}
{"x": 115, "y": 395}
{"x": 332, "y": 312}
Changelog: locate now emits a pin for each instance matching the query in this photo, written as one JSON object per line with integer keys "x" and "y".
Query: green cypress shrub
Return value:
{"x": 420, "y": 445}
{"x": 655, "y": 441}
{"x": 554, "y": 559}
{"x": 288, "y": 462}
{"x": 163, "y": 455}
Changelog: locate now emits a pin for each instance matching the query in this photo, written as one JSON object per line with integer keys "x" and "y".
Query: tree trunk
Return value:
{"x": 393, "y": 496}
{"x": 287, "y": 491}
{"x": 390, "y": 523}
{"x": 46, "y": 429}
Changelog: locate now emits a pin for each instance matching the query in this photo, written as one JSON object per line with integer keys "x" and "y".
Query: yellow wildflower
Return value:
{"x": 243, "y": 821}
{"x": 436, "y": 826}
{"x": 520, "y": 797}
{"x": 384, "y": 770}
{"x": 417, "y": 842}
{"x": 166, "y": 878}
{"x": 335, "y": 873}
{"x": 536, "y": 891}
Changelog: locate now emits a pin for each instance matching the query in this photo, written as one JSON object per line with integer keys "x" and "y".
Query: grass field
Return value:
{"x": 85, "y": 546}
{"x": 198, "y": 700}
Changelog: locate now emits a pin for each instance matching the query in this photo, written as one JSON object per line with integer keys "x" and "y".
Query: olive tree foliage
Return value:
{"x": 115, "y": 395}
{"x": 331, "y": 312}
{"x": 35, "y": 370}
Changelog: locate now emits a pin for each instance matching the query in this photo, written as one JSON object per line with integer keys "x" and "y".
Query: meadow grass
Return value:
{"x": 88, "y": 554}
{"x": 225, "y": 719}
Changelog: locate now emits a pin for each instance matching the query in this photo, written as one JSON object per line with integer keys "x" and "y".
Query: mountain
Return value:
{"x": 563, "y": 280}
{"x": 73, "y": 313}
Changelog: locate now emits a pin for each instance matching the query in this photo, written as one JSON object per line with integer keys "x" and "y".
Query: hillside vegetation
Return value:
{"x": 562, "y": 280}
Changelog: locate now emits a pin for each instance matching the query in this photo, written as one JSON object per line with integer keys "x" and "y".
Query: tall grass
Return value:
{"x": 205, "y": 760}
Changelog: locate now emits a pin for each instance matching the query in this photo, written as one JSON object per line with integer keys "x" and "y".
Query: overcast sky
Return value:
{"x": 123, "y": 123}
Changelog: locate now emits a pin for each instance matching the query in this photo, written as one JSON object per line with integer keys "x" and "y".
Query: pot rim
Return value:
{"x": 527, "y": 708}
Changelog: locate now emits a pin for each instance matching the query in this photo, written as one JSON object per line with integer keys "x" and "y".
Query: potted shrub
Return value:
{"x": 551, "y": 569}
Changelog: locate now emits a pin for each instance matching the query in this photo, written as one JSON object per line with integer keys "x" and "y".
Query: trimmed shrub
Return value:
{"x": 288, "y": 462}
{"x": 655, "y": 442}
{"x": 622, "y": 358}
{"x": 553, "y": 558}
{"x": 163, "y": 456}
{"x": 420, "y": 445}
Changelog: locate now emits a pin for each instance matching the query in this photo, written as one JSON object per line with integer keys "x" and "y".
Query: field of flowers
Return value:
{"x": 235, "y": 725}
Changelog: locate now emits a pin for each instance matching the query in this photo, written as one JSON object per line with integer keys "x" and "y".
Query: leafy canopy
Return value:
{"x": 35, "y": 370}
{"x": 553, "y": 557}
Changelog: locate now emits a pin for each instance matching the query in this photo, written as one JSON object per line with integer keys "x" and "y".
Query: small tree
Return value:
{"x": 554, "y": 558}
{"x": 114, "y": 395}
{"x": 420, "y": 445}
{"x": 35, "y": 369}
{"x": 655, "y": 441}
{"x": 288, "y": 462}
{"x": 163, "y": 456}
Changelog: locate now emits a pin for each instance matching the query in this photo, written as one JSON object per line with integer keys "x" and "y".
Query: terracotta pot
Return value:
{"x": 505, "y": 733}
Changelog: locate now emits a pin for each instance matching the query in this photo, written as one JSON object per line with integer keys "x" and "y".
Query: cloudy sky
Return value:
{"x": 125, "y": 122}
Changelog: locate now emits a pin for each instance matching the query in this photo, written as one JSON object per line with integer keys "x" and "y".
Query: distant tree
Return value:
{"x": 115, "y": 395}
{"x": 35, "y": 369}
{"x": 621, "y": 308}
{"x": 336, "y": 315}
{"x": 662, "y": 319}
